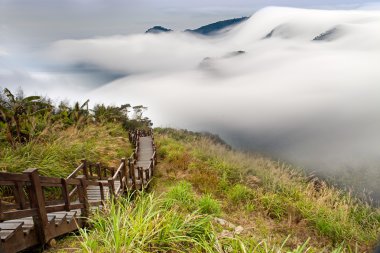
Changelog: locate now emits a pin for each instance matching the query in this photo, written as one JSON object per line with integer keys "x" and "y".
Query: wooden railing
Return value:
{"x": 29, "y": 194}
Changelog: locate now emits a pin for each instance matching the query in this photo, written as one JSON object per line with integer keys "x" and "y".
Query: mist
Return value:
{"x": 299, "y": 85}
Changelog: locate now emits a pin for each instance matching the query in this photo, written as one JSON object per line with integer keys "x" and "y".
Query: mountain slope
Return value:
{"x": 158, "y": 29}
{"x": 208, "y": 198}
{"x": 217, "y": 27}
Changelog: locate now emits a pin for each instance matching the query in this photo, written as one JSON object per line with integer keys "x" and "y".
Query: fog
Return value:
{"x": 304, "y": 89}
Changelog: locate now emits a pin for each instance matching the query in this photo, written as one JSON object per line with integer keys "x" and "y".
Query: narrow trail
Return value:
{"x": 29, "y": 218}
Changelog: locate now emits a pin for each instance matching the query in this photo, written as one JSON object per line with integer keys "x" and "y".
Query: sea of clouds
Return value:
{"x": 315, "y": 103}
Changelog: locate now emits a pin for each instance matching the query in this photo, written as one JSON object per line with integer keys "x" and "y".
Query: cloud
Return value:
{"x": 3, "y": 52}
{"x": 314, "y": 103}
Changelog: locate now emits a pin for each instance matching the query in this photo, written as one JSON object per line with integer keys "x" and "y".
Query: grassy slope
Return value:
{"x": 58, "y": 152}
{"x": 270, "y": 199}
{"x": 198, "y": 180}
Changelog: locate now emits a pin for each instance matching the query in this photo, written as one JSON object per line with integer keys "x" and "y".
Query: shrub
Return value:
{"x": 208, "y": 205}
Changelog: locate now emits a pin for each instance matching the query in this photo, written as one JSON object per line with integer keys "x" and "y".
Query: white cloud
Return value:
{"x": 313, "y": 102}
{"x": 3, "y": 52}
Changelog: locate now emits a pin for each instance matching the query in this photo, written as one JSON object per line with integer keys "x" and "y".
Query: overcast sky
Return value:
{"x": 33, "y": 23}
{"x": 308, "y": 102}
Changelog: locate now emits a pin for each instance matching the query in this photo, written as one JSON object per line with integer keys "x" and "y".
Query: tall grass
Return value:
{"x": 147, "y": 224}
{"x": 59, "y": 152}
{"x": 279, "y": 197}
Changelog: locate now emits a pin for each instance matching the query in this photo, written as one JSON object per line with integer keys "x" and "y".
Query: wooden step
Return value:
{"x": 68, "y": 215}
{"x": 51, "y": 217}
{"x": 60, "y": 218}
{"x": 9, "y": 229}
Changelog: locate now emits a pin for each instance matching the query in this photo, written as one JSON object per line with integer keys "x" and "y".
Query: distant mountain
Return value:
{"x": 216, "y": 27}
{"x": 328, "y": 35}
{"x": 158, "y": 29}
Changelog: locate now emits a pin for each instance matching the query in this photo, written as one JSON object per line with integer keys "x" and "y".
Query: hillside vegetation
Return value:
{"x": 35, "y": 133}
{"x": 58, "y": 152}
{"x": 209, "y": 198}
{"x": 205, "y": 196}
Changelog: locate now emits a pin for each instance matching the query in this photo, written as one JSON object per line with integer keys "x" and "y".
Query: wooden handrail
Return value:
{"x": 29, "y": 198}
{"x": 117, "y": 171}
{"x": 73, "y": 174}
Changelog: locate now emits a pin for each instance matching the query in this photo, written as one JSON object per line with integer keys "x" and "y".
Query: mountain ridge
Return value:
{"x": 206, "y": 30}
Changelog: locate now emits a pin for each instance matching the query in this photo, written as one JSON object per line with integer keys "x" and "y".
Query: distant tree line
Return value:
{"x": 23, "y": 118}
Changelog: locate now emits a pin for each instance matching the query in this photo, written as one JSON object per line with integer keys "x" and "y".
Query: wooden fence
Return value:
{"x": 35, "y": 209}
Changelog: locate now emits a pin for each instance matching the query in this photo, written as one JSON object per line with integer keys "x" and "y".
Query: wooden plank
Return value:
{"x": 16, "y": 177}
{"x": 11, "y": 215}
{"x": 73, "y": 181}
{"x": 55, "y": 208}
{"x": 6, "y": 234}
{"x": 50, "y": 181}
{"x": 10, "y": 225}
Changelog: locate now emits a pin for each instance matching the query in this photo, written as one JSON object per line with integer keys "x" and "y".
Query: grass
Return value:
{"x": 147, "y": 225}
{"x": 58, "y": 152}
{"x": 182, "y": 195}
{"x": 199, "y": 178}
{"x": 238, "y": 194}
{"x": 273, "y": 200}
{"x": 209, "y": 205}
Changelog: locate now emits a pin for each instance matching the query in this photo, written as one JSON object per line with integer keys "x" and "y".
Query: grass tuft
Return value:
{"x": 208, "y": 205}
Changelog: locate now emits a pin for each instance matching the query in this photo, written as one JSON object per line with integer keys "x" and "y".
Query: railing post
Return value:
{"x": 37, "y": 201}
{"x": 99, "y": 170}
{"x": 124, "y": 173}
{"x": 129, "y": 174}
{"x": 19, "y": 195}
{"x": 134, "y": 176}
{"x": 90, "y": 170}
{"x": 1, "y": 213}
{"x": 101, "y": 192}
{"x": 111, "y": 187}
{"x": 141, "y": 176}
{"x": 65, "y": 194}
{"x": 85, "y": 173}
{"x": 152, "y": 167}
{"x": 82, "y": 193}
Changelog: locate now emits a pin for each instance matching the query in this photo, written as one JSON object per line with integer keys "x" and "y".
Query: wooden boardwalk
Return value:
{"x": 29, "y": 217}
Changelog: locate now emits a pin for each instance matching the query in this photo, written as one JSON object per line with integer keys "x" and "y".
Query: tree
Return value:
{"x": 138, "y": 111}
{"x": 15, "y": 111}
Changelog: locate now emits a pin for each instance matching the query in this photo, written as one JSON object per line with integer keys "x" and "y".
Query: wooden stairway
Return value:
{"x": 29, "y": 217}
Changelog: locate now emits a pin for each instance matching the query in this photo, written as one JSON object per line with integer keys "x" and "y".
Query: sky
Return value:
{"x": 25, "y": 21}
{"x": 315, "y": 104}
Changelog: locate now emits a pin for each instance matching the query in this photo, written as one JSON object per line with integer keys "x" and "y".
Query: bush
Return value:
{"x": 208, "y": 205}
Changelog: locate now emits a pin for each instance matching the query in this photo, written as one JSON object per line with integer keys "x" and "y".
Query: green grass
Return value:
{"x": 238, "y": 194}
{"x": 146, "y": 225}
{"x": 208, "y": 205}
{"x": 272, "y": 198}
{"x": 182, "y": 195}
{"x": 58, "y": 152}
